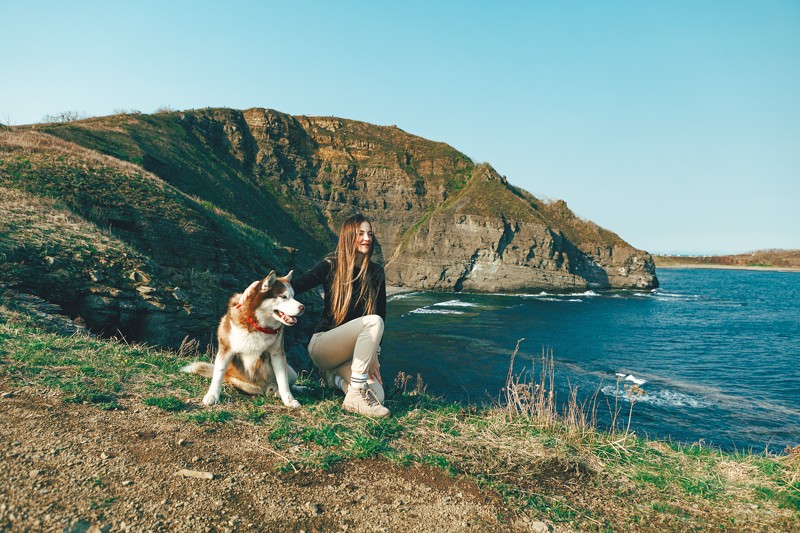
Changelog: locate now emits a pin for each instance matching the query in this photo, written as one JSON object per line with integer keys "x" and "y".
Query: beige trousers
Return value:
{"x": 351, "y": 347}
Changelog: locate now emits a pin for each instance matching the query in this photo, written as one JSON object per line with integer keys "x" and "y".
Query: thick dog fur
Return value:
{"x": 252, "y": 360}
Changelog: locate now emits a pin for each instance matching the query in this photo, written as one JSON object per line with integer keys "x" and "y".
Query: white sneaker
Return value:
{"x": 363, "y": 401}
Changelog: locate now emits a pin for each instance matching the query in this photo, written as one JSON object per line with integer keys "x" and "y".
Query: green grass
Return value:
{"x": 167, "y": 403}
{"x": 205, "y": 417}
{"x": 704, "y": 488}
{"x": 326, "y": 435}
{"x": 668, "y": 509}
{"x": 659, "y": 481}
{"x": 585, "y": 479}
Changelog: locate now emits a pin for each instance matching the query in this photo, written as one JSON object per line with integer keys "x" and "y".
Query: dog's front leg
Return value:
{"x": 278, "y": 360}
{"x": 221, "y": 363}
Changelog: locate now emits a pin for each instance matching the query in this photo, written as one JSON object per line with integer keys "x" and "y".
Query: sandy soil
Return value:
{"x": 76, "y": 468}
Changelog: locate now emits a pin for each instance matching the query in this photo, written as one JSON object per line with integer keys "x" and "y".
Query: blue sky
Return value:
{"x": 675, "y": 124}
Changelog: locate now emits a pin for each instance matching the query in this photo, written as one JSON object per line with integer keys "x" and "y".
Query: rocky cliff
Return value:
{"x": 444, "y": 222}
{"x": 180, "y": 209}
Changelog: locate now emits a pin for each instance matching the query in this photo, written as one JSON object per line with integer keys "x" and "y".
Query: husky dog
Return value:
{"x": 251, "y": 338}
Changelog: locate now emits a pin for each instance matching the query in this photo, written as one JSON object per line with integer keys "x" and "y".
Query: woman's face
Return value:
{"x": 364, "y": 239}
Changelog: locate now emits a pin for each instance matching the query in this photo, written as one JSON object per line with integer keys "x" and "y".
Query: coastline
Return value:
{"x": 728, "y": 267}
{"x": 391, "y": 290}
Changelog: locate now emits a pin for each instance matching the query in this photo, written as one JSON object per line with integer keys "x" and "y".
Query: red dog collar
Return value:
{"x": 268, "y": 331}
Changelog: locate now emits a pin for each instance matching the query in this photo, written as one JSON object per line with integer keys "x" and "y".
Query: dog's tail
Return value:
{"x": 207, "y": 370}
{"x": 201, "y": 369}
{"x": 245, "y": 386}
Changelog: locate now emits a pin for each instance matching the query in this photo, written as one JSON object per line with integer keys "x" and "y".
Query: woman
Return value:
{"x": 347, "y": 341}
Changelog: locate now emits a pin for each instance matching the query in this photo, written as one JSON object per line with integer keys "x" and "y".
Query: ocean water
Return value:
{"x": 716, "y": 351}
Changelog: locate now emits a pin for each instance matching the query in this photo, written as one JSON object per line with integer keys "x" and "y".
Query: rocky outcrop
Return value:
{"x": 474, "y": 246}
{"x": 456, "y": 251}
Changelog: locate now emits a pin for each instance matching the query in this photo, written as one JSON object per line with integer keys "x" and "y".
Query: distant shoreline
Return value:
{"x": 728, "y": 267}
{"x": 768, "y": 260}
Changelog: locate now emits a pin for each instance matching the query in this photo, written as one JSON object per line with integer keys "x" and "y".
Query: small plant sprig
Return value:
{"x": 633, "y": 392}
{"x": 401, "y": 384}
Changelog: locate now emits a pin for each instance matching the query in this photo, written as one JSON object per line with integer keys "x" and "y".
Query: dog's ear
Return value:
{"x": 288, "y": 277}
{"x": 249, "y": 292}
{"x": 268, "y": 282}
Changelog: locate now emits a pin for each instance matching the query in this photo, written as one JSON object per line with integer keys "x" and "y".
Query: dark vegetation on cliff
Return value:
{"x": 144, "y": 224}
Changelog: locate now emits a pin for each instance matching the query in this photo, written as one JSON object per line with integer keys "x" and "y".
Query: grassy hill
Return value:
{"x": 116, "y": 245}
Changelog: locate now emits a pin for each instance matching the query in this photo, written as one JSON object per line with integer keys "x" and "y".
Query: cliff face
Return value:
{"x": 487, "y": 238}
{"x": 444, "y": 223}
{"x": 207, "y": 201}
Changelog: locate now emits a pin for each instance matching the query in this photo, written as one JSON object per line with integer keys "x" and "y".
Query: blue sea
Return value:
{"x": 717, "y": 352}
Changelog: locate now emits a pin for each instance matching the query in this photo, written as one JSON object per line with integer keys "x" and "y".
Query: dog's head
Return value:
{"x": 272, "y": 298}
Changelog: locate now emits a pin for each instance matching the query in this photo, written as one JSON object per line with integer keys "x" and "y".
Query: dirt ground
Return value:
{"x": 77, "y": 468}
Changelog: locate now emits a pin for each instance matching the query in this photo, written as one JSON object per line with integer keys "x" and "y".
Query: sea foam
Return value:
{"x": 633, "y": 379}
{"x": 401, "y": 296}
{"x": 663, "y": 398}
{"x": 662, "y": 296}
{"x": 585, "y": 293}
{"x": 455, "y": 303}
{"x": 429, "y": 311}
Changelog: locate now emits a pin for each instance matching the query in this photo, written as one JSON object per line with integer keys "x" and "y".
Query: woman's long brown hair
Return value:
{"x": 342, "y": 286}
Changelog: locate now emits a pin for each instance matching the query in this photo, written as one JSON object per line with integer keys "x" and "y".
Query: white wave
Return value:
{"x": 586, "y": 293}
{"x": 551, "y": 297}
{"x": 542, "y": 295}
{"x": 663, "y": 398}
{"x": 526, "y": 295}
{"x": 456, "y": 303}
{"x": 660, "y": 295}
{"x": 401, "y": 296}
{"x": 429, "y": 311}
{"x": 621, "y": 376}
{"x": 635, "y": 380}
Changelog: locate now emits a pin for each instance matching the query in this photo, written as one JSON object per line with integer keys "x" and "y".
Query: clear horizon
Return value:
{"x": 675, "y": 125}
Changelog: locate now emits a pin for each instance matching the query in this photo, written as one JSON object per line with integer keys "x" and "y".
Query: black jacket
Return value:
{"x": 322, "y": 274}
